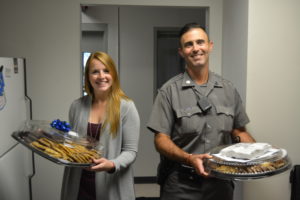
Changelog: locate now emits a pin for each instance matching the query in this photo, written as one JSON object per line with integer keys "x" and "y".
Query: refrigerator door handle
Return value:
{"x": 29, "y": 169}
{"x": 28, "y": 107}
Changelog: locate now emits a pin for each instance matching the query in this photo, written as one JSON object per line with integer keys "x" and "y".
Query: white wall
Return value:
{"x": 47, "y": 34}
{"x": 234, "y": 52}
{"x": 265, "y": 40}
{"x": 234, "y": 48}
{"x": 272, "y": 87}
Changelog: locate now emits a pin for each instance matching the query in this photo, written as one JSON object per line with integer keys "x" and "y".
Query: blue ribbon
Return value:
{"x": 61, "y": 125}
{"x": 1, "y": 82}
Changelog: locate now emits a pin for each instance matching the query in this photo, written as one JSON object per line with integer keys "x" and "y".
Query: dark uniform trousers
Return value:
{"x": 185, "y": 184}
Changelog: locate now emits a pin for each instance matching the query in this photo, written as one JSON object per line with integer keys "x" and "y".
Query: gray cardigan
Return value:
{"x": 121, "y": 149}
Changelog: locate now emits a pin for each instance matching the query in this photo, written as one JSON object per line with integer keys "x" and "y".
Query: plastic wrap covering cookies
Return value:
{"x": 59, "y": 146}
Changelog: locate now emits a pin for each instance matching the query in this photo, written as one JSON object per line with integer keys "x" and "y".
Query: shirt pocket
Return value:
{"x": 225, "y": 118}
{"x": 188, "y": 120}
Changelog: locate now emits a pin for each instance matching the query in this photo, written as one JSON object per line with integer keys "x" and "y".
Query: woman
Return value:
{"x": 108, "y": 114}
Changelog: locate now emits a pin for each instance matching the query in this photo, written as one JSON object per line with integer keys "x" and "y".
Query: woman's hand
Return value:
{"x": 103, "y": 164}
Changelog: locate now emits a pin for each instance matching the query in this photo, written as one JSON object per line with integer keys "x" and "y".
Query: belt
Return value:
{"x": 189, "y": 173}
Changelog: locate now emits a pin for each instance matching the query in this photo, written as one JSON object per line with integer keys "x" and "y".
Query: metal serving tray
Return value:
{"x": 27, "y": 137}
{"x": 280, "y": 163}
{"x": 246, "y": 176}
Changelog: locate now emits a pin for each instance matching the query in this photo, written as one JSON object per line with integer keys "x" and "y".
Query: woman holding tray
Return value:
{"x": 108, "y": 114}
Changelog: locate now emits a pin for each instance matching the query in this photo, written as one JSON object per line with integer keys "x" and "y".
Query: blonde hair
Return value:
{"x": 115, "y": 93}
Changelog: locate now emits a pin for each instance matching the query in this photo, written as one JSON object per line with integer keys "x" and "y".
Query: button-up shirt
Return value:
{"x": 176, "y": 112}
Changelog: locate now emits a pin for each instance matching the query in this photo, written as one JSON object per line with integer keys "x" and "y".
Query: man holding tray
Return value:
{"x": 194, "y": 112}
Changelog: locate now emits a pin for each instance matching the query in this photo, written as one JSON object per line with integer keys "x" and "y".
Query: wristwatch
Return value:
{"x": 237, "y": 139}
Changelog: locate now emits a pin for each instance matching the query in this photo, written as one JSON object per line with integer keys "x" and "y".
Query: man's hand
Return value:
{"x": 196, "y": 161}
{"x": 166, "y": 146}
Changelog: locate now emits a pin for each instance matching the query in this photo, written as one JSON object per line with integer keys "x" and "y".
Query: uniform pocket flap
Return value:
{"x": 225, "y": 110}
{"x": 187, "y": 112}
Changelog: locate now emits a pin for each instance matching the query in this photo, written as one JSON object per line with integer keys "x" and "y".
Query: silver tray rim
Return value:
{"x": 249, "y": 176}
{"x": 17, "y": 136}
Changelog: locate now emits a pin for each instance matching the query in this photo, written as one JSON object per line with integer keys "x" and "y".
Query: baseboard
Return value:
{"x": 145, "y": 179}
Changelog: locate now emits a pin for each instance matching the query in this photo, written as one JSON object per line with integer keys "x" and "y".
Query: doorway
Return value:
{"x": 93, "y": 38}
{"x": 168, "y": 62}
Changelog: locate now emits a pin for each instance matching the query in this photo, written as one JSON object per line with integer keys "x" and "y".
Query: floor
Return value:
{"x": 147, "y": 191}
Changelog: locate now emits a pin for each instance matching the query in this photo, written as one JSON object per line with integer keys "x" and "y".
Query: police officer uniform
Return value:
{"x": 197, "y": 118}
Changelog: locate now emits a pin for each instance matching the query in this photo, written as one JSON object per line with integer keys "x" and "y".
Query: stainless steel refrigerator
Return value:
{"x": 15, "y": 159}
{"x": 23, "y": 174}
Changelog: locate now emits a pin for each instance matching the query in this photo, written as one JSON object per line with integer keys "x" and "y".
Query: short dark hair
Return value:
{"x": 188, "y": 27}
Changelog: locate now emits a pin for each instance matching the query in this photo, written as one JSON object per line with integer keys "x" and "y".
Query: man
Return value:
{"x": 194, "y": 112}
